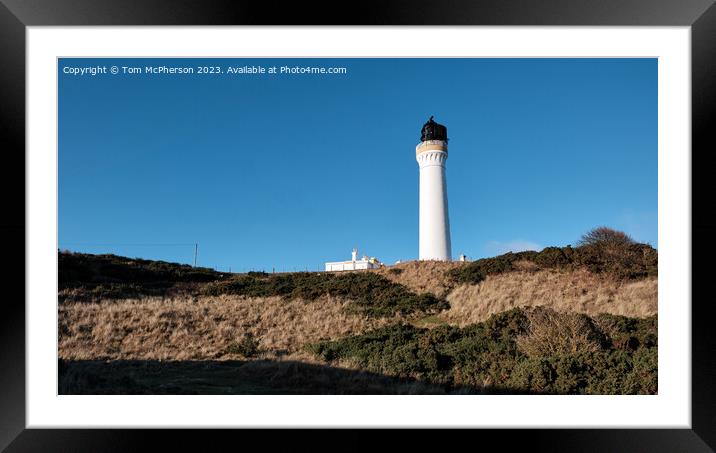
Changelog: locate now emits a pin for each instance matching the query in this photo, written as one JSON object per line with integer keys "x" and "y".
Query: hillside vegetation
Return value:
{"x": 369, "y": 293}
{"x": 565, "y": 291}
{"x": 85, "y": 277}
{"x": 562, "y": 320}
{"x": 627, "y": 261}
{"x": 520, "y": 351}
{"x": 423, "y": 276}
{"x": 203, "y": 328}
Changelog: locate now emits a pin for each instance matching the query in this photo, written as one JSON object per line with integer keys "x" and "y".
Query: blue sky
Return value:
{"x": 288, "y": 171}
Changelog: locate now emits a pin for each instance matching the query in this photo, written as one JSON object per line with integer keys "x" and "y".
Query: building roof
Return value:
{"x": 348, "y": 262}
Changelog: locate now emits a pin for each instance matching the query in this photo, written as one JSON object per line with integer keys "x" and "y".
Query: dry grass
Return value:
{"x": 422, "y": 276}
{"x": 576, "y": 291}
{"x": 201, "y": 328}
{"x": 210, "y": 327}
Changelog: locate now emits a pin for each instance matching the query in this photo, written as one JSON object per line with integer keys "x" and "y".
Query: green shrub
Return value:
{"x": 476, "y": 271}
{"x": 86, "y": 277}
{"x": 602, "y": 251}
{"x": 485, "y": 356}
{"x": 622, "y": 261}
{"x": 607, "y": 251}
{"x": 628, "y": 333}
{"x": 257, "y": 273}
{"x": 535, "y": 374}
{"x": 369, "y": 293}
{"x": 551, "y": 257}
{"x": 644, "y": 376}
{"x": 78, "y": 268}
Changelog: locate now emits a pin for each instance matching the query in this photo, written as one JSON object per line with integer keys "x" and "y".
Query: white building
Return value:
{"x": 354, "y": 264}
{"x": 431, "y": 154}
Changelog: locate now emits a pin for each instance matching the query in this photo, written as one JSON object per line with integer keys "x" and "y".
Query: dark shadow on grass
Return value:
{"x": 255, "y": 377}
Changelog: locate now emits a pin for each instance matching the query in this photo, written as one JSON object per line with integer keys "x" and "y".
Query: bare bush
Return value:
{"x": 525, "y": 266}
{"x": 605, "y": 236}
{"x": 607, "y": 251}
{"x": 552, "y": 333}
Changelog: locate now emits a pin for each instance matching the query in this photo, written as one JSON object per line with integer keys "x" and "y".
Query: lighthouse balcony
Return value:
{"x": 431, "y": 145}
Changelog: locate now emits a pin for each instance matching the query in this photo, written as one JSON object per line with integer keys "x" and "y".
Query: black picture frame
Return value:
{"x": 16, "y": 15}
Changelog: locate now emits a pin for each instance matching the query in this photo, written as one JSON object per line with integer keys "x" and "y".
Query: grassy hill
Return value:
{"x": 84, "y": 277}
{"x": 562, "y": 320}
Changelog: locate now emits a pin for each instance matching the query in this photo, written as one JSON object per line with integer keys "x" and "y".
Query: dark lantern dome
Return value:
{"x": 433, "y": 131}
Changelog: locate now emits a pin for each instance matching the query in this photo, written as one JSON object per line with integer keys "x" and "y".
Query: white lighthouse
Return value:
{"x": 431, "y": 154}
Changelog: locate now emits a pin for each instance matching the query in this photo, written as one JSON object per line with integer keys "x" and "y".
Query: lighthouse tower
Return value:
{"x": 431, "y": 154}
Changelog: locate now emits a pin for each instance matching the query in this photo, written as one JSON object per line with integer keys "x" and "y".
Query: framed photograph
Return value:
{"x": 442, "y": 216}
